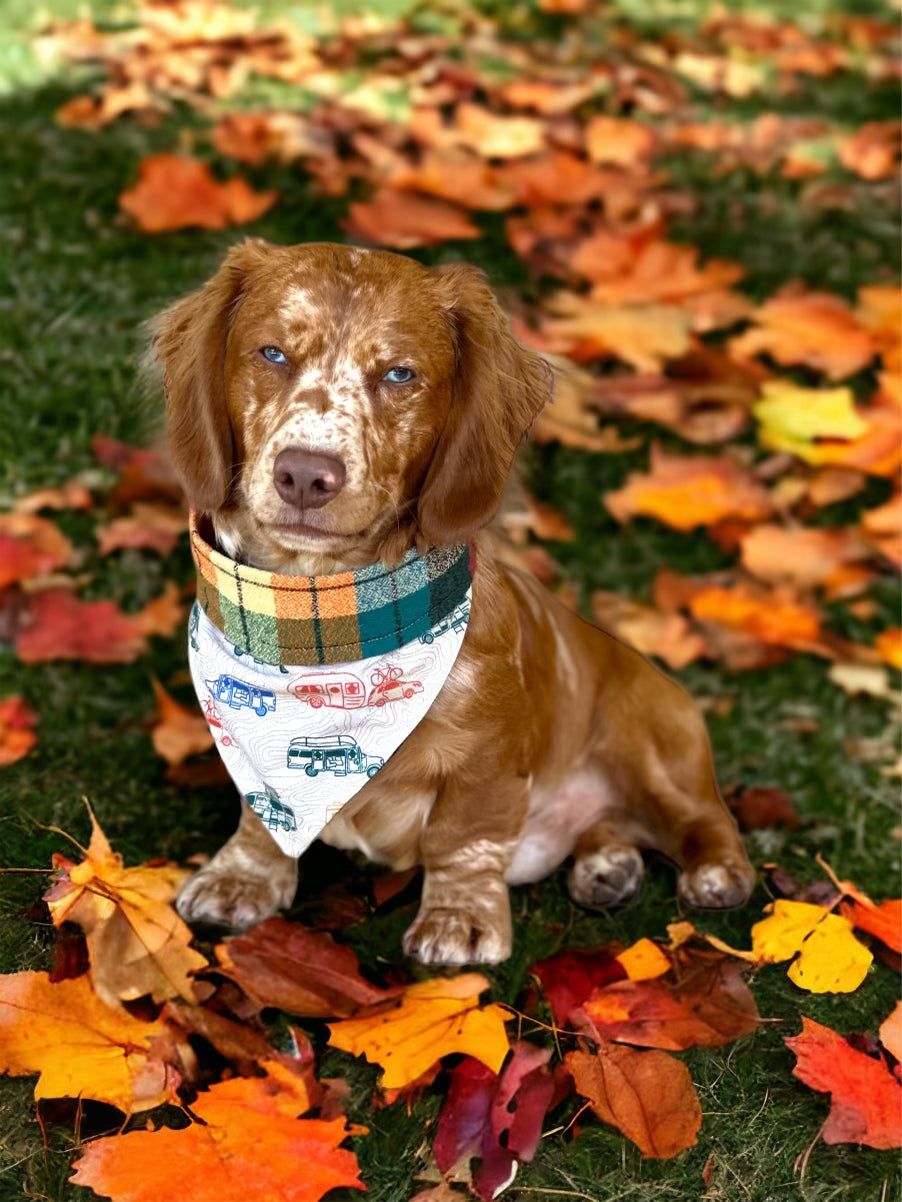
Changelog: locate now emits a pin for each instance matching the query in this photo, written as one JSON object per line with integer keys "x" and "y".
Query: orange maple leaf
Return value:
{"x": 17, "y": 722}
{"x": 866, "y": 1099}
{"x": 247, "y": 1142}
{"x": 179, "y": 732}
{"x": 688, "y": 491}
{"x": 619, "y": 140}
{"x": 433, "y": 1019}
{"x": 81, "y": 1047}
{"x": 136, "y": 941}
{"x": 771, "y": 618}
{"x": 174, "y": 192}
{"x": 392, "y": 217}
{"x": 813, "y": 328}
{"x": 30, "y": 546}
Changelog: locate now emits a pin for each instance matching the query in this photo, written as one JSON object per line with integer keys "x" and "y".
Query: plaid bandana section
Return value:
{"x": 330, "y": 619}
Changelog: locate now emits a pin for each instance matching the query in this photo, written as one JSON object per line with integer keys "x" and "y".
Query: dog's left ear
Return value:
{"x": 499, "y": 390}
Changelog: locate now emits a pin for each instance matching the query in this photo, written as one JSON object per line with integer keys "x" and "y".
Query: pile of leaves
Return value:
{"x": 135, "y": 1017}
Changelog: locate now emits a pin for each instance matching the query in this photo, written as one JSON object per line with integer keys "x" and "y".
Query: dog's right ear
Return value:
{"x": 189, "y": 340}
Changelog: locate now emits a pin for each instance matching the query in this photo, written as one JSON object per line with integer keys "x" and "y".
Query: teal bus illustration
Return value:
{"x": 271, "y": 812}
{"x": 236, "y": 694}
{"x": 338, "y": 754}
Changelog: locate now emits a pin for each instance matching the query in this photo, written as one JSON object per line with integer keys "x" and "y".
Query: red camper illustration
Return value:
{"x": 211, "y": 713}
{"x": 345, "y": 691}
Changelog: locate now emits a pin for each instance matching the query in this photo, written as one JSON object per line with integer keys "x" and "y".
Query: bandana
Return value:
{"x": 310, "y": 683}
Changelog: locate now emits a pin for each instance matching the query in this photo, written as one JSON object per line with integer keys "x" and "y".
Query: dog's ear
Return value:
{"x": 189, "y": 340}
{"x": 499, "y": 390}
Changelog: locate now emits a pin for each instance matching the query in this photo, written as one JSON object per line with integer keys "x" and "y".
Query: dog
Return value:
{"x": 332, "y": 408}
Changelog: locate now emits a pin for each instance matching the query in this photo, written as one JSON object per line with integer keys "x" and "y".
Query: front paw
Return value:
{"x": 458, "y": 935}
{"x": 720, "y": 886}
{"x": 218, "y": 895}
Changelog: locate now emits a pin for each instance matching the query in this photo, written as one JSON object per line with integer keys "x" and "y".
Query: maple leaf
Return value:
{"x": 772, "y": 618}
{"x": 137, "y": 944}
{"x": 707, "y": 1006}
{"x": 60, "y": 626}
{"x": 804, "y": 556}
{"x": 30, "y": 546}
{"x": 81, "y": 1047}
{"x": 148, "y": 527}
{"x": 433, "y": 1019}
{"x": 891, "y": 1032}
{"x": 393, "y": 217}
{"x": 178, "y": 732}
{"x": 461, "y": 178}
{"x": 648, "y": 1095}
{"x": 17, "y": 722}
{"x": 666, "y": 635}
{"x": 619, "y": 140}
{"x": 873, "y": 150}
{"x": 284, "y": 964}
{"x": 689, "y": 491}
{"x": 72, "y": 495}
{"x": 246, "y": 1137}
{"x": 812, "y": 328}
{"x": 641, "y": 335}
{"x": 866, "y": 1099}
{"x": 498, "y": 1119}
{"x": 174, "y": 192}
{"x": 827, "y": 956}
{"x": 496, "y": 137}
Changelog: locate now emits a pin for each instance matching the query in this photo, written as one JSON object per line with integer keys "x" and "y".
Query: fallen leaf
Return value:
{"x": 689, "y": 491}
{"x": 883, "y": 920}
{"x": 805, "y": 556}
{"x": 178, "y": 732}
{"x": 771, "y": 618}
{"x": 147, "y": 527}
{"x": 666, "y": 635}
{"x": 30, "y": 546}
{"x": 873, "y": 150}
{"x": 245, "y": 1130}
{"x": 865, "y": 680}
{"x": 644, "y": 960}
{"x": 17, "y": 723}
{"x": 619, "y": 140}
{"x": 627, "y": 268}
{"x": 81, "y": 1047}
{"x": 432, "y": 1020}
{"x": 72, "y": 495}
{"x": 403, "y": 220}
{"x": 283, "y": 964}
{"x": 570, "y": 977}
{"x": 59, "y": 626}
{"x": 641, "y": 335}
{"x": 458, "y": 177}
{"x": 816, "y": 329}
{"x": 648, "y": 1095}
{"x": 891, "y": 1032}
{"x": 174, "y": 192}
{"x": 707, "y": 1005}
{"x": 761, "y": 807}
{"x": 497, "y": 137}
{"x": 137, "y": 943}
{"x": 827, "y": 958}
{"x": 162, "y": 616}
{"x": 865, "y": 1098}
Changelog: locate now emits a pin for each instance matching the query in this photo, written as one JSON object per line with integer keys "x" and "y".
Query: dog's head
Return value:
{"x": 331, "y": 406}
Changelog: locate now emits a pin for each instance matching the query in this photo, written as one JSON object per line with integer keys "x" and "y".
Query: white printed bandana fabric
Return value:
{"x": 299, "y": 740}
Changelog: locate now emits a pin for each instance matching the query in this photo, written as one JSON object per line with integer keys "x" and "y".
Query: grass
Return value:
{"x": 79, "y": 282}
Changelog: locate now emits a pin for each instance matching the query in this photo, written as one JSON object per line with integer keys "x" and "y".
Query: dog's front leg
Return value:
{"x": 467, "y": 846}
{"x": 248, "y": 879}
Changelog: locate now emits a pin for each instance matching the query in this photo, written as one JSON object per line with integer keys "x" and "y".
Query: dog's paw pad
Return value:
{"x": 607, "y": 877}
{"x": 214, "y": 898}
{"x": 451, "y": 936}
{"x": 717, "y": 886}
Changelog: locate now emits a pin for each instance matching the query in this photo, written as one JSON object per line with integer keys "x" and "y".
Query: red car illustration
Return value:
{"x": 344, "y": 690}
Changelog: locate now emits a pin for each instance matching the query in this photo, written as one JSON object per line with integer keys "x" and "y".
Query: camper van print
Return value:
{"x": 345, "y": 691}
{"x": 271, "y": 812}
{"x": 456, "y": 621}
{"x": 214, "y": 721}
{"x": 236, "y": 694}
{"x": 239, "y": 651}
{"x": 338, "y": 754}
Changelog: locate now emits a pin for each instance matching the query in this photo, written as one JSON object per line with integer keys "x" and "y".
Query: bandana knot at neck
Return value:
{"x": 310, "y": 683}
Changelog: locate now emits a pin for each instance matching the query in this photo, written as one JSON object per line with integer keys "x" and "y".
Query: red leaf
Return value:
{"x": 285, "y": 965}
{"x": 571, "y": 976}
{"x": 59, "y": 626}
{"x": 173, "y": 192}
{"x": 866, "y": 1100}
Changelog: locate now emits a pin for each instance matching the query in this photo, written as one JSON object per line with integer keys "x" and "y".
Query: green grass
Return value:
{"x": 79, "y": 283}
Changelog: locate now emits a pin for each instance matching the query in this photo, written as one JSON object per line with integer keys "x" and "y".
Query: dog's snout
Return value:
{"x": 307, "y": 479}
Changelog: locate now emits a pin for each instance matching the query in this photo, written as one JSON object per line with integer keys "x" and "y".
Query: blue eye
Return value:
{"x": 273, "y": 354}
{"x": 398, "y": 375}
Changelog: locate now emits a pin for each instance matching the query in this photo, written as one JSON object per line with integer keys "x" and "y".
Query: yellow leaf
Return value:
{"x": 81, "y": 1047}
{"x": 793, "y": 418}
{"x": 830, "y": 958}
{"x": 643, "y": 961}
{"x": 136, "y": 941}
{"x": 433, "y": 1019}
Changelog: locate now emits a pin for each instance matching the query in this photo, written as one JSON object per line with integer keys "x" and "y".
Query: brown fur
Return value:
{"x": 550, "y": 739}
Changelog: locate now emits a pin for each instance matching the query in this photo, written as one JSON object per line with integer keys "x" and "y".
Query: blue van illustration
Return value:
{"x": 237, "y": 694}
{"x": 271, "y": 812}
{"x": 456, "y": 620}
{"x": 339, "y": 754}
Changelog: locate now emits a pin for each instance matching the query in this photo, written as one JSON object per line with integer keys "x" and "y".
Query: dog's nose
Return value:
{"x": 307, "y": 479}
